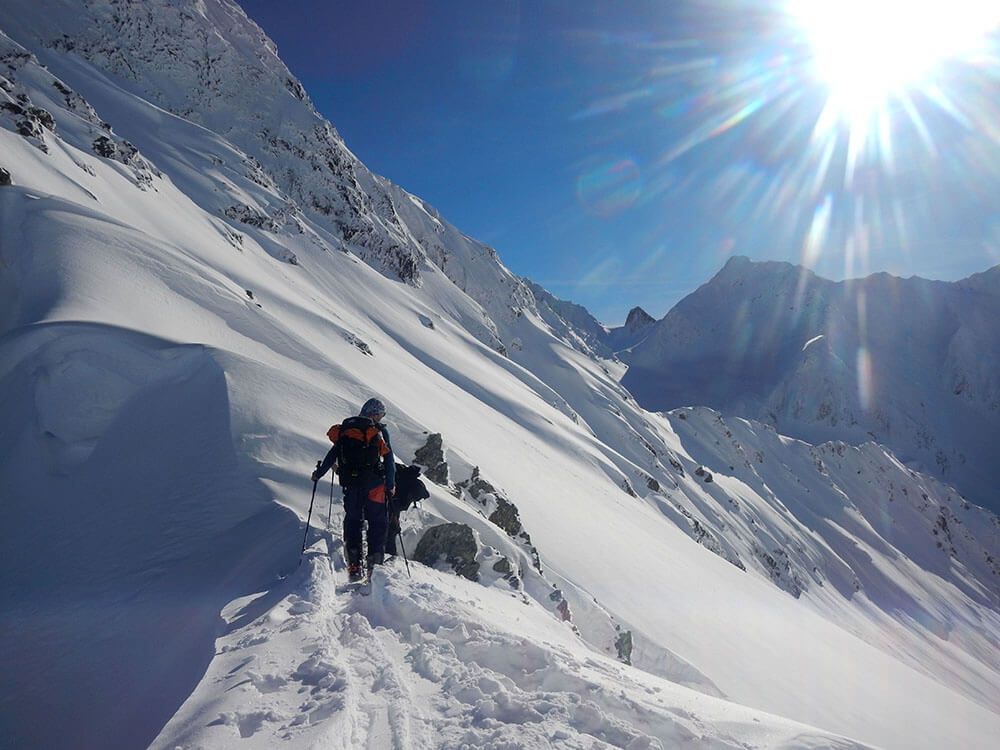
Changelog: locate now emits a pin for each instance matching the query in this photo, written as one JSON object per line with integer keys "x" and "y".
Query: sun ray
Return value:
{"x": 840, "y": 113}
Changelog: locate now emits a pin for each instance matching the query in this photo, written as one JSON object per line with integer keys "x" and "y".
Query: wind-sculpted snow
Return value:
{"x": 173, "y": 351}
{"x": 119, "y": 551}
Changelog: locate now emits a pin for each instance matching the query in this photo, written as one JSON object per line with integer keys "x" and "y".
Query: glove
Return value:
{"x": 390, "y": 492}
{"x": 315, "y": 476}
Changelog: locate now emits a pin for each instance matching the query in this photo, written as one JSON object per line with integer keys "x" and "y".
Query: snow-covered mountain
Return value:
{"x": 198, "y": 278}
{"x": 575, "y": 323}
{"x": 909, "y": 363}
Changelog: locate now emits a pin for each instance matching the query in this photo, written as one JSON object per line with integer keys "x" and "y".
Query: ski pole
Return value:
{"x": 329, "y": 513}
{"x": 400, "y": 535}
{"x": 309, "y": 517}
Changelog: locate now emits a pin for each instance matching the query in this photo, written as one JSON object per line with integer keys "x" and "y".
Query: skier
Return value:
{"x": 366, "y": 470}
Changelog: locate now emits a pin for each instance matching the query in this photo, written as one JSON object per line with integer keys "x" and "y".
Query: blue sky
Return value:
{"x": 618, "y": 152}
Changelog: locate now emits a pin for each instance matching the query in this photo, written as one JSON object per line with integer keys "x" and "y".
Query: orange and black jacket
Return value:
{"x": 385, "y": 451}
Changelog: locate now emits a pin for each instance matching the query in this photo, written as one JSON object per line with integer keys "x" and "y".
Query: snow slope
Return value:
{"x": 170, "y": 367}
{"x": 838, "y": 361}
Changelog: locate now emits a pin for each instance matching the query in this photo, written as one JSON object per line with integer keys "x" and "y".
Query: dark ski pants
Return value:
{"x": 358, "y": 508}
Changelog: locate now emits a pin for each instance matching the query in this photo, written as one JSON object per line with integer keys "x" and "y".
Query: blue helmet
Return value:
{"x": 373, "y": 409}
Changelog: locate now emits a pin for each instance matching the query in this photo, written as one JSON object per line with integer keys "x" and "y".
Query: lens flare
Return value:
{"x": 818, "y": 229}
{"x": 865, "y": 378}
{"x": 846, "y": 128}
{"x": 606, "y": 188}
{"x": 856, "y": 134}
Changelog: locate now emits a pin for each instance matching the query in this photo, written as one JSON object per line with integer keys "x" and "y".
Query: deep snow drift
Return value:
{"x": 180, "y": 324}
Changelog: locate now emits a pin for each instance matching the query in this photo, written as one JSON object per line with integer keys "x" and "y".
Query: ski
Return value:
{"x": 366, "y": 583}
{"x": 361, "y": 586}
{"x": 352, "y": 587}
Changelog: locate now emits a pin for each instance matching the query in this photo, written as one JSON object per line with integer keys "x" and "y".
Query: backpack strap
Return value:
{"x": 361, "y": 449}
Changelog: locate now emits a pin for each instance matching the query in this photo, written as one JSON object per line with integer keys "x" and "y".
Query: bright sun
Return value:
{"x": 868, "y": 51}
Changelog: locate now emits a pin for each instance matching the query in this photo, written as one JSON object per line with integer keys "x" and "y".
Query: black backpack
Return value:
{"x": 410, "y": 488}
{"x": 358, "y": 454}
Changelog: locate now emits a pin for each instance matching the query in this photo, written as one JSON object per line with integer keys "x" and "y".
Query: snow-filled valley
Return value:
{"x": 197, "y": 278}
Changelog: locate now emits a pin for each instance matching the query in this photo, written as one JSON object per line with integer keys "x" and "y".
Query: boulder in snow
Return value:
{"x": 430, "y": 458}
{"x": 623, "y": 644}
{"x": 507, "y": 572}
{"x": 455, "y": 544}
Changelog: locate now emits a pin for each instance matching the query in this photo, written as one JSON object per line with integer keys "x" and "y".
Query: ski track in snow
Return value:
{"x": 416, "y": 665}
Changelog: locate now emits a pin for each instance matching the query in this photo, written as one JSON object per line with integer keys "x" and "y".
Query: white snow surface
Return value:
{"x": 434, "y": 660}
{"x": 180, "y": 322}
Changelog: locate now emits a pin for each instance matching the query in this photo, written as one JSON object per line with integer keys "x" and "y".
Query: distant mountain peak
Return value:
{"x": 740, "y": 266}
{"x": 638, "y": 318}
{"x": 984, "y": 281}
{"x": 737, "y": 261}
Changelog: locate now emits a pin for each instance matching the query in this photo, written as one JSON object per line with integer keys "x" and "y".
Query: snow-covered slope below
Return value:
{"x": 909, "y": 363}
{"x": 834, "y": 522}
{"x": 169, "y": 369}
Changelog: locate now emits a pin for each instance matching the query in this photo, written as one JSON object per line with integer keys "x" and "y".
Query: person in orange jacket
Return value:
{"x": 366, "y": 469}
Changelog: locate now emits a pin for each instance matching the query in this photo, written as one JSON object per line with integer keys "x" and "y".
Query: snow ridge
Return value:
{"x": 173, "y": 352}
{"x": 420, "y": 663}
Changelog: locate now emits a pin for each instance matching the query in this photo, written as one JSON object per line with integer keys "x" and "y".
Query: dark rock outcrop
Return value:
{"x": 506, "y": 570}
{"x": 251, "y": 217}
{"x": 105, "y": 147}
{"x": 430, "y": 458}
{"x": 455, "y": 543}
{"x": 778, "y": 566}
{"x": 44, "y": 117}
{"x": 507, "y": 518}
{"x": 562, "y": 606}
{"x": 505, "y": 513}
{"x": 477, "y": 486}
{"x": 29, "y": 127}
{"x": 623, "y": 644}
{"x": 358, "y": 344}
